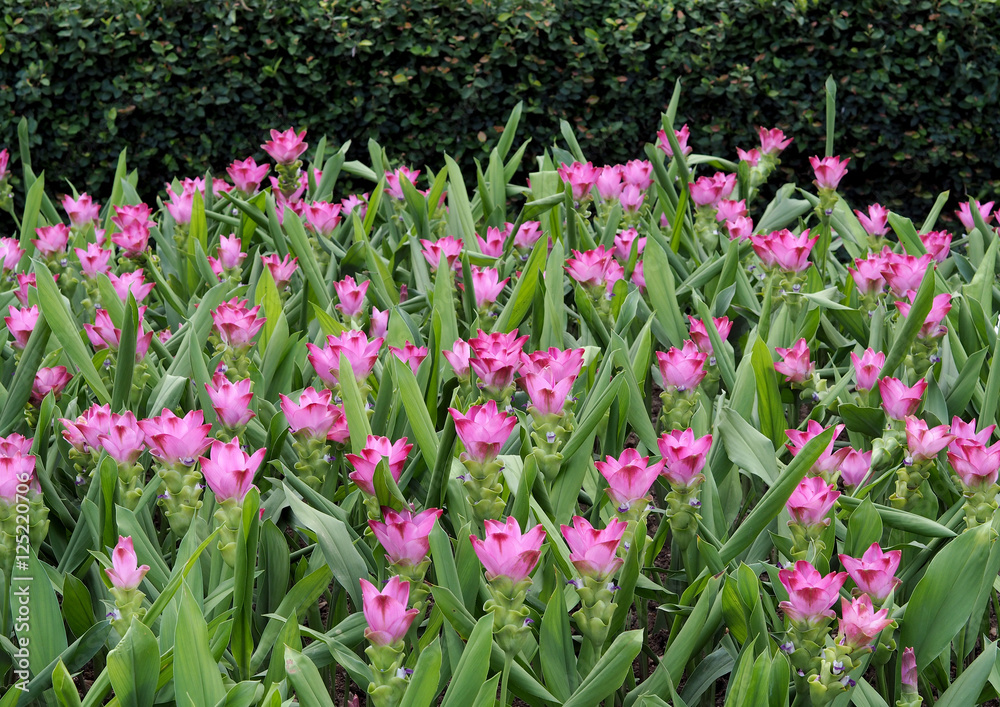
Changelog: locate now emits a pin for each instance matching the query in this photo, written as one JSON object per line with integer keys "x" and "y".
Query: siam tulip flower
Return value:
{"x": 49, "y": 380}
{"x": 829, "y": 460}
{"x": 486, "y": 286}
{"x": 393, "y": 185}
{"x": 938, "y": 244}
{"x": 458, "y": 358}
{"x": 631, "y": 199}
{"x": 85, "y": 432}
{"x": 594, "y": 552}
{"x": 378, "y": 323}
{"x": 740, "y": 229}
{"x": 861, "y": 624}
{"x": 730, "y": 210}
{"x": 125, "y": 440}
{"x": 547, "y": 392}
{"x": 10, "y": 253}
{"x": 855, "y": 467}
{"x": 131, "y": 282}
{"x": 609, "y": 183}
{"x": 493, "y": 244}
{"x": 376, "y": 449}
{"x": 629, "y": 477}
{"x": 868, "y": 275}
{"x": 176, "y": 440}
{"x": 94, "y": 260}
{"x": 285, "y": 147}
{"x": 235, "y": 324}
{"x": 322, "y": 217}
{"x": 281, "y": 269}
{"x": 772, "y": 141}
{"x": 810, "y": 594}
{"x": 134, "y": 223}
{"x": 682, "y": 368}
{"x": 355, "y": 202}
{"x": 16, "y": 471}
{"x": 385, "y": 612}
{"x": 638, "y": 173}
{"x": 449, "y": 247}
{"x": 904, "y": 272}
{"x": 82, "y": 210}
{"x": 682, "y": 136}
{"x": 829, "y": 171}
{"x": 964, "y": 214}
{"x": 231, "y": 255}
{"x": 908, "y": 677}
{"x": 180, "y": 205}
{"x": 15, "y": 444}
{"x": 497, "y": 360}
{"x": 564, "y": 364}
{"x": 230, "y": 471}
{"x": 811, "y": 502}
{"x": 683, "y": 456}
{"x": 231, "y": 401}
{"x": 795, "y": 366}
{"x": 103, "y": 334}
{"x": 404, "y": 535}
{"x": 581, "y": 176}
{"x": 638, "y": 278}
{"x": 875, "y": 572}
{"x": 867, "y": 368}
{"x": 624, "y": 242}
{"x": 247, "y": 175}
{"x": 931, "y": 328}
{"x": 751, "y": 157}
{"x": 924, "y": 443}
{"x": 590, "y": 267}
{"x": 24, "y": 282}
{"x": 360, "y": 352}
{"x": 4, "y": 157}
{"x": 705, "y": 191}
{"x": 898, "y": 400}
{"x": 411, "y": 355}
{"x": 293, "y": 200}
{"x": 876, "y": 223}
{"x": 699, "y": 334}
{"x": 21, "y": 323}
{"x": 125, "y": 572}
{"x": 339, "y": 433}
{"x": 785, "y": 250}
{"x": 52, "y": 240}
{"x": 975, "y": 464}
{"x": 967, "y": 430}
{"x": 527, "y": 235}
{"x": 506, "y": 552}
{"x": 351, "y": 296}
{"x": 483, "y": 430}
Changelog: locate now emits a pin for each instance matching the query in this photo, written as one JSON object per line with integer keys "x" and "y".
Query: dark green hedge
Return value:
{"x": 192, "y": 85}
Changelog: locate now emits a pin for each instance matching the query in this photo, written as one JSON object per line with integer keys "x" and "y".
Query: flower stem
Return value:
{"x": 508, "y": 658}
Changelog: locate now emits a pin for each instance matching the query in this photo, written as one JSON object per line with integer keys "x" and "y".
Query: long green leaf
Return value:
{"x": 131, "y": 666}
{"x": 609, "y": 673}
{"x": 197, "y": 680}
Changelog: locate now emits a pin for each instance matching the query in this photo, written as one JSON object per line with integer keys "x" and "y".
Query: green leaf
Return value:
{"x": 354, "y": 406}
{"x": 610, "y": 671}
{"x": 298, "y": 599}
{"x": 906, "y": 334}
{"x": 125, "y": 364}
{"x": 29, "y": 217}
{"x": 746, "y": 447}
{"x": 903, "y": 520}
{"x": 134, "y": 666}
{"x": 459, "y": 199}
{"x": 660, "y": 290}
{"x": 24, "y": 377}
{"x": 863, "y": 529}
{"x": 770, "y": 411}
{"x": 300, "y": 246}
{"x": 44, "y": 631}
{"x": 197, "y": 680}
{"x": 523, "y": 294}
{"x": 556, "y": 652}
{"x": 64, "y": 687}
{"x": 968, "y": 686}
{"x": 961, "y": 392}
{"x": 473, "y": 666}
{"x": 306, "y": 681}
{"x": 424, "y": 681}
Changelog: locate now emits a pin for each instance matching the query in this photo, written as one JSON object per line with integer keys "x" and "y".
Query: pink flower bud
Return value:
{"x": 924, "y": 443}
{"x": 975, "y": 464}
{"x": 449, "y": 246}
{"x": 458, "y": 358}
{"x": 285, "y": 147}
{"x": 624, "y": 242}
{"x": 493, "y": 244}
{"x": 904, "y": 272}
{"x": 486, "y": 285}
{"x": 527, "y": 235}
{"x": 875, "y": 572}
{"x": 772, "y": 141}
{"x": 247, "y": 175}
{"x": 855, "y": 467}
{"x": 376, "y": 449}
{"x": 180, "y": 205}
{"x": 231, "y": 255}
{"x": 497, "y": 358}
{"x": 10, "y": 253}
{"x": 125, "y": 441}
{"x": 231, "y": 401}
{"x": 236, "y": 325}
{"x": 94, "y": 260}
{"x": 631, "y": 199}
{"x": 937, "y": 243}
{"x": 351, "y": 296}
{"x": 699, "y": 334}
{"x": 795, "y": 366}
{"x": 52, "y": 240}
{"x": 810, "y": 594}
{"x": 629, "y": 477}
{"x": 867, "y": 368}
{"x": 829, "y": 171}
{"x": 322, "y": 216}
{"x": 410, "y": 354}
{"x": 230, "y": 471}
{"x": 751, "y": 157}
{"x": 176, "y": 440}
{"x": 85, "y": 432}
{"x": 967, "y": 430}
{"x": 740, "y": 229}
{"x": 49, "y": 380}
{"x": 134, "y": 224}
{"x": 81, "y": 211}
{"x": 683, "y": 368}
{"x": 21, "y": 323}
{"x": 355, "y": 202}
{"x": 581, "y": 176}
{"x": 682, "y": 136}
{"x": 811, "y": 502}
{"x": 281, "y": 269}
{"x": 125, "y": 572}
{"x": 313, "y": 416}
{"x": 594, "y": 552}
{"x": 589, "y": 267}
{"x": 868, "y": 275}
{"x": 964, "y": 214}
{"x": 730, "y": 210}
{"x": 898, "y": 400}
{"x": 931, "y": 328}
{"x": 860, "y": 625}
{"x": 505, "y": 552}
{"x": 483, "y": 430}
{"x": 392, "y": 181}
{"x": 785, "y": 250}
{"x": 360, "y": 352}
{"x": 378, "y": 323}
{"x": 683, "y": 456}
{"x": 876, "y": 223}
{"x": 908, "y": 672}
{"x": 828, "y": 460}
{"x": 609, "y": 182}
{"x": 386, "y": 613}
{"x": 638, "y": 173}
{"x": 404, "y": 536}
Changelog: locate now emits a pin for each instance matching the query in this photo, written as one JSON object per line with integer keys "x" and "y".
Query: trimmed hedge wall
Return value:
{"x": 191, "y": 86}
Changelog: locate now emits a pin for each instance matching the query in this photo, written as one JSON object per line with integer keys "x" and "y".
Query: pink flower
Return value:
{"x": 230, "y": 471}
{"x": 486, "y": 285}
{"x": 594, "y": 552}
{"x": 629, "y": 478}
{"x": 868, "y": 275}
{"x": 15, "y": 444}
{"x": 609, "y": 182}
{"x": 967, "y": 430}
{"x": 924, "y": 443}
{"x": 176, "y": 440}
{"x": 828, "y": 460}
{"x": 21, "y": 323}
{"x": 458, "y": 357}
{"x": 638, "y": 278}
{"x": 411, "y": 355}
{"x": 286, "y": 147}
{"x": 378, "y": 323}
{"x": 393, "y": 187}
{"x": 624, "y": 242}
{"x": 740, "y": 229}
{"x": 581, "y": 176}
{"x": 796, "y": 366}
{"x": 898, "y": 400}
{"x": 235, "y": 324}
{"x": 937, "y": 243}
{"x": 52, "y": 240}
{"x": 904, "y": 272}
{"x": 125, "y": 441}
{"x": 784, "y": 249}
{"x": 404, "y": 536}
{"x": 94, "y": 260}
{"x": 829, "y": 171}
{"x": 931, "y": 328}
{"x": 730, "y": 210}
{"x": 811, "y": 502}
{"x": 313, "y": 416}
{"x": 322, "y": 217}
{"x": 449, "y": 247}
{"x": 231, "y": 255}
{"x": 590, "y": 267}
{"x": 247, "y": 175}
{"x": 85, "y": 432}
{"x": 975, "y": 464}
{"x": 547, "y": 392}
{"x": 339, "y": 433}
{"x": 125, "y": 572}
{"x": 751, "y": 157}
{"x": 24, "y": 283}
{"x": 360, "y": 352}
{"x": 49, "y": 380}
{"x": 351, "y": 296}
{"x": 860, "y": 625}
{"x": 497, "y": 358}
{"x": 103, "y": 334}
{"x": 4, "y": 157}
{"x": 81, "y": 211}
{"x": 876, "y": 223}
{"x": 867, "y": 368}
{"x": 134, "y": 224}
{"x": 505, "y": 552}
{"x": 964, "y": 214}
{"x": 682, "y": 368}
{"x": 376, "y": 449}
{"x": 810, "y": 594}
{"x": 180, "y": 205}
{"x": 134, "y": 282}
{"x": 355, "y": 202}
{"x": 638, "y": 173}
{"x": 527, "y": 235}
{"x": 564, "y": 364}
{"x": 772, "y": 141}
{"x": 281, "y": 269}
{"x": 493, "y": 244}
{"x": 631, "y": 199}
{"x": 855, "y": 467}
{"x": 483, "y": 430}
{"x": 231, "y": 401}
{"x": 705, "y": 191}
{"x": 875, "y": 572}
{"x": 908, "y": 672}
{"x": 386, "y": 613}
{"x": 10, "y": 253}
{"x": 682, "y": 136}
{"x": 16, "y": 470}
{"x": 683, "y": 456}
{"x": 699, "y": 334}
